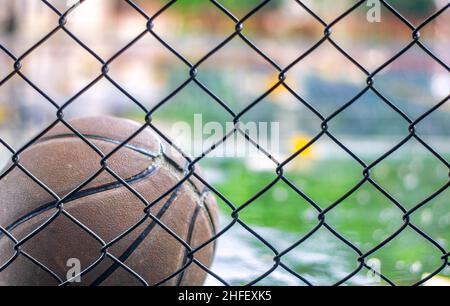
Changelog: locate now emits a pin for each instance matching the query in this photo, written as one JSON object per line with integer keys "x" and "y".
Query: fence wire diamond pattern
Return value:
{"x": 194, "y": 69}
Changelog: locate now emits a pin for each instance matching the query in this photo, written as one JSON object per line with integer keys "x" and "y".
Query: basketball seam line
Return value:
{"x": 188, "y": 240}
{"x": 81, "y": 194}
{"x": 148, "y": 153}
{"x": 127, "y": 253}
{"x": 105, "y": 139}
{"x": 106, "y": 187}
{"x": 137, "y": 149}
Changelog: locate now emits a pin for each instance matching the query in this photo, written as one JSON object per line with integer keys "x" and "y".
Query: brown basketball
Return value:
{"x": 103, "y": 207}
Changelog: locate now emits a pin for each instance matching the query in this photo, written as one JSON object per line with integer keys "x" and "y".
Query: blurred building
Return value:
{"x": 149, "y": 71}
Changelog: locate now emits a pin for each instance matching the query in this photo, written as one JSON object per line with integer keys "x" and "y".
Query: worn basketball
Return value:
{"x": 58, "y": 243}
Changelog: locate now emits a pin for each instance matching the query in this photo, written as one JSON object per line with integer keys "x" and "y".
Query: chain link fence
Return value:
{"x": 194, "y": 70}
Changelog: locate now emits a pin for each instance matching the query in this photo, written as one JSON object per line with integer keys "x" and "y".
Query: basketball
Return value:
{"x": 107, "y": 203}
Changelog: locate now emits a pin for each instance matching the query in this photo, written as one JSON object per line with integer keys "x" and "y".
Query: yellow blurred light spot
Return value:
{"x": 437, "y": 280}
{"x": 298, "y": 142}
{"x": 2, "y": 114}
{"x": 272, "y": 81}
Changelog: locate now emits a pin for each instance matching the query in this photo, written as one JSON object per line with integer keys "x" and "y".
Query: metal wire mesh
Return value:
{"x": 194, "y": 70}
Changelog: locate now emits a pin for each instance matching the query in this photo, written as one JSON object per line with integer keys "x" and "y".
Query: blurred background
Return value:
{"x": 326, "y": 79}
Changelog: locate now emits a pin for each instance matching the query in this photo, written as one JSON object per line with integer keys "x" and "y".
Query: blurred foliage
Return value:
{"x": 365, "y": 218}
{"x": 232, "y": 5}
{"x": 416, "y": 7}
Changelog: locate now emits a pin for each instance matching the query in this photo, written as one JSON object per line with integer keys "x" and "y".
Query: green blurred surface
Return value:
{"x": 365, "y": 218}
